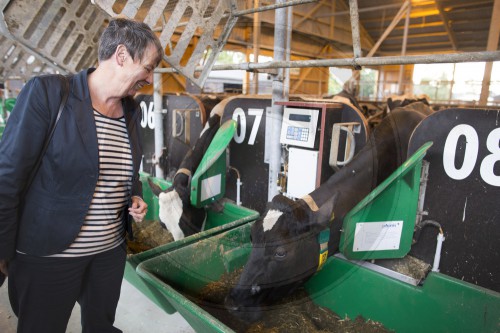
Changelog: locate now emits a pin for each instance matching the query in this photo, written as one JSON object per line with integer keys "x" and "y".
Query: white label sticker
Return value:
{"x": 210, "y": 187}
{"x": 377, "y": 236}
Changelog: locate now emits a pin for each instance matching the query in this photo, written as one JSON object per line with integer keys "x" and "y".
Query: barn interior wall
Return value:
{"x": 309, "y": 81}
{"x": 389, "y": 79}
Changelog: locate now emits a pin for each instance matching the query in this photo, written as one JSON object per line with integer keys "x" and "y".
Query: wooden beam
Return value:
{"x": 391, "y": 26}
{"x": 308, "y": 15}
{"x": 431, "y": 34}
{"x": 332, "y": 19}
{"x": 446, "y": 23}
{"x": 307, "y": 71}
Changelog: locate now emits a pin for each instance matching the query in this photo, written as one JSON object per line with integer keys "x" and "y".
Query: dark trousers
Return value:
{"x": 44, "y": 290}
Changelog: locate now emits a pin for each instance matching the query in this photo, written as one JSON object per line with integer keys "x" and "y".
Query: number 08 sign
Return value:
{"x": 463, "y": 192}
{"x": 471, "y": 154}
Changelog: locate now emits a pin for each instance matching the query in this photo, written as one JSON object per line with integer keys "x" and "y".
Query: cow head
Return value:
{"x": 177, "y": 215}
{"x": 176, "y": 212}
{"x": 285, "y": 253}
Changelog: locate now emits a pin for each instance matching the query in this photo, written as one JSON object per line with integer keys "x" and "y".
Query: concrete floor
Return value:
{"x": 135, "y": 314}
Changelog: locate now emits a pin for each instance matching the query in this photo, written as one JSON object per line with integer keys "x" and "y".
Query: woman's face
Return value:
{"x": 139, "y": 72}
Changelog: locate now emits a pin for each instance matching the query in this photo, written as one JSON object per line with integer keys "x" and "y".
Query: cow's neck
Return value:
{"x": 346, "y": 187}
{"x": 375, "y": 162}
{"x": 383, "y": 153}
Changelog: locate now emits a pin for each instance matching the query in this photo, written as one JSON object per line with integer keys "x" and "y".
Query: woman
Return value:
{"x": 62, "y": 241}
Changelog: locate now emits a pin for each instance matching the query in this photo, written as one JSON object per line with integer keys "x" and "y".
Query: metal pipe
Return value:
{"x": 437, "y": 255}
{"x": 424, "y": 178}
{"x": 355, "y": 62}
{"x": 276, "y": 115}
{"x": 278, "y": 5}
{"x": 403, "y": 50}
{"x": 289, "y": 27}
{"x": 256, "y": 47}
{"x": 158, "y": 121}
{"x": 238, "y": 185}
{"x": 356, "y": 44}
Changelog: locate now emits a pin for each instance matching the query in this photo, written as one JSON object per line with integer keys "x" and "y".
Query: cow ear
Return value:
{"x": 155, "y": 188}
{"x": 321, "y": 219}
{"x": 281, "y": 203}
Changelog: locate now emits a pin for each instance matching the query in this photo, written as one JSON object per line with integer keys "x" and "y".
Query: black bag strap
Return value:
{"x": 65, "y": 91}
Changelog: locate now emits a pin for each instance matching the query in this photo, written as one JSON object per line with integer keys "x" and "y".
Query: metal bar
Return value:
{"x": 403, "y": 50}
{"x": 356, "y": 44}
{"x": 362, "y": 61}
{"x": 256, "y": 47}
{"x": 424, "y": 178}
{"x": 158, "y": 118}
{"x": 289, "y": 28}
{"x": 391, "y": 26}
{"x": 276, "y": 115}
{"x": 278, "y": 5}
{"x": 382, "y": 270}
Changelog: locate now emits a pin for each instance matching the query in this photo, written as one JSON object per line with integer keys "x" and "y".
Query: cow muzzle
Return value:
{"x": 248, "y": 314}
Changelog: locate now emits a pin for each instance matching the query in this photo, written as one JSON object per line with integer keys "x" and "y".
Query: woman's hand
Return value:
{"x": 138, "y": 209}
{"x": 4, "y": 267}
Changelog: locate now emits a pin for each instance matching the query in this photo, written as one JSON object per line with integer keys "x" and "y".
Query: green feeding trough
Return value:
{"x": 204, "y": 191}
{"x": 209, "y": 181}
{"x": 217, "y": 221}
{"x": 441, "y": 304}
{"x": 349, "y": 288}
{"x": 381, "y": 225}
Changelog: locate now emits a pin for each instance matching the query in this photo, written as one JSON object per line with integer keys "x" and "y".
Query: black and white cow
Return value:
{"x": 176, "y": 212}
{"x": 285, "y": 249}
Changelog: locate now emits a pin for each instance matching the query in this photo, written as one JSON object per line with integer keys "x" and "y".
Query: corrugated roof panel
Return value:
{"x": 59, "y": 31}
{"x": 19, "y": 62}
{"x": 202, "y": 26}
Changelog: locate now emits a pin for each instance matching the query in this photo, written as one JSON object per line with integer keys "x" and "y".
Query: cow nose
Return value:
{"x": 255, "y": 289}
{"x": 230, "y": 305}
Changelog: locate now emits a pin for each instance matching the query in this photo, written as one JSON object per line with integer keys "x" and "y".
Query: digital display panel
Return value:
{"x": 299, "y": 127}
{"x": 300, "y": 117}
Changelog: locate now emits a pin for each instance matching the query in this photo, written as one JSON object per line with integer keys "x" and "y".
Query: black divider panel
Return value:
{"x": 247, "y": 151}
{"x": 190, "y": 116}
{"x": 463, "y": 193}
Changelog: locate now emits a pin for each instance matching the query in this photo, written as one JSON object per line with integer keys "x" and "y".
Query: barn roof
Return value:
{"x": 62, "y": 35}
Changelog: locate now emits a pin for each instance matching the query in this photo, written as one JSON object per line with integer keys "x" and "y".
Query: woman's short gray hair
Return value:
{"x": 136, "y": 36}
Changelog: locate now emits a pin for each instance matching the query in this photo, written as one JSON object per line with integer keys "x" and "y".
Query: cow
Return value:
{"x": 177, "y": 214}
{"x": 285, "y": 249}
{"x": 349, "y": 92}
{"x": 415, "y": 102}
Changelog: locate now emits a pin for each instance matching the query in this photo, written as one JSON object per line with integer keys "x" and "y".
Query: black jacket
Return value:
{"x": 55, "y": 205}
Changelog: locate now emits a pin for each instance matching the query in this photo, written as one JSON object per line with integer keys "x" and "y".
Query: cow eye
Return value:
{"x": 280, "y": 253}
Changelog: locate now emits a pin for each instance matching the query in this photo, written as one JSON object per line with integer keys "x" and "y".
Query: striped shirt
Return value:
{"x": 102, "y": 229}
